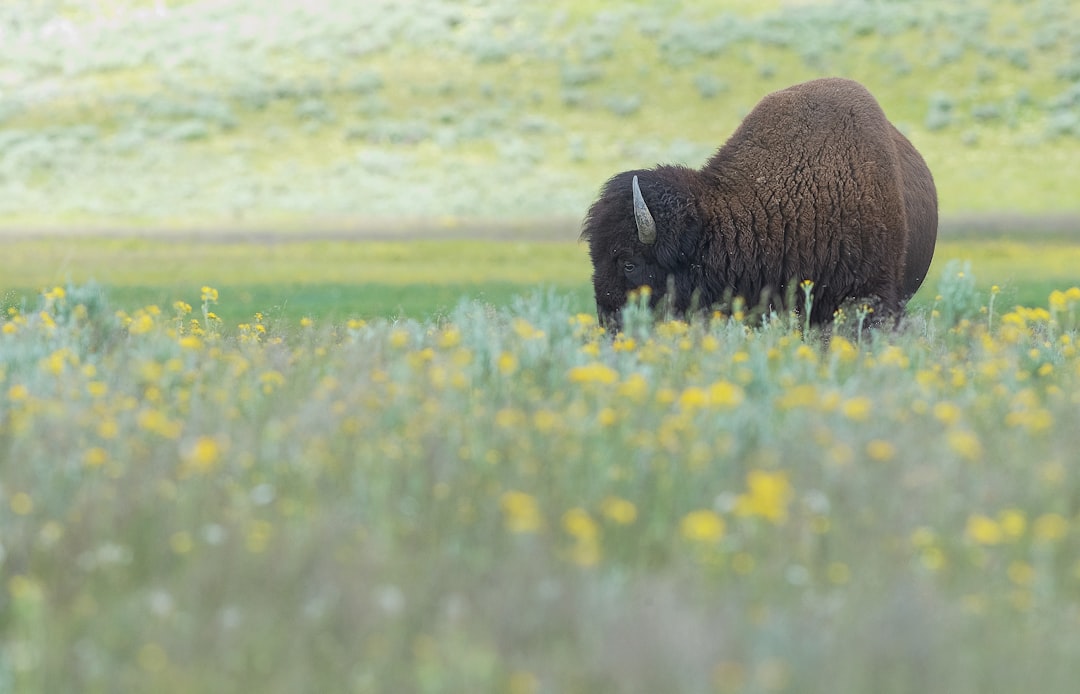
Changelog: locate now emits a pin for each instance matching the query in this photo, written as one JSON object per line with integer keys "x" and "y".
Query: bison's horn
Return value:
{"x": 646, "y": 226}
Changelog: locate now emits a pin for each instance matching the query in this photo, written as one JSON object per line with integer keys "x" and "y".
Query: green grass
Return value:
{"x": 289, "y": 278}
{"x": 506, "y": 500}
{"x": 292, "y": 278}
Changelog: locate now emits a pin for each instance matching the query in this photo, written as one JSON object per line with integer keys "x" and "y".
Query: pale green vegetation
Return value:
{"x": 235, "y": 112}
{"x": 507, "y": 500}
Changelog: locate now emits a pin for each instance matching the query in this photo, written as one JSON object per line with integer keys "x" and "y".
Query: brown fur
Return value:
{"x": 814, "y": 184}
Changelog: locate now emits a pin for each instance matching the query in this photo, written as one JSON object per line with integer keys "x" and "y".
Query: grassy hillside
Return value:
{"x": 233, "y": 112}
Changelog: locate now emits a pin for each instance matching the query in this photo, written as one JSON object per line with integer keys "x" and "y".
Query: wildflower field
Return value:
{"x": 386, "y": 447}
{"x": 506, "y": 499}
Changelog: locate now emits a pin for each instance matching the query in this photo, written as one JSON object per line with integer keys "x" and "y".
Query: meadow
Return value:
{"x": 505, "y": 499}
{"x": 301, "y": 387}
{"x": 288, "y": 276}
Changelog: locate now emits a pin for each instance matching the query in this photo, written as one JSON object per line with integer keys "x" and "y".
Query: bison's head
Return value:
{"x": 644, "y": 230}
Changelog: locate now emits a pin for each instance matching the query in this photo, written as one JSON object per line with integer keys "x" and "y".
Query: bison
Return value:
{"x": 815, "y": 184}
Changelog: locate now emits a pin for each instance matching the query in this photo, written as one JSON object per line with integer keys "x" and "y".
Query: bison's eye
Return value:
{"x": 628, "y": 267}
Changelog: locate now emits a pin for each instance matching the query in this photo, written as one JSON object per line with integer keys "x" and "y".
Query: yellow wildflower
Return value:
{"x": 693, "y": 398}
{"x": 56, "y": 362}
{"x": 618, "y": 511}
{"x": 1013, "y": 523}
{"x": 880, "y": 450}
{"x": 108, "y": 428}
{"x": 726, "y": 394}
{"x": 983, "y": 530}
{"x": 509, "y": 418}
{"x": 521, "y": 512}
{"x": 894, "y": 356}
{"x": 947, "y": 413}
{"x": 507, "y": 364}
{"x": 95, "y": 457}
{"x": 768, "y": 495}
{"x": 965, "y": 444}
{"x": 525, "y": 330}
{"x": 203, "y": 455}
{"x": 672, "y": 329}
{"x": 702, "y": 526}
{"x": 634, "y": 388}
{"x": 593, "y": 373}
{"x": 806, "y": 353}
{"x": 722, "y": 394}
{"x": 803, "y": 395}
{"x": 583, "y": 320}
{"x": 545, "y": 421}
{"x": 271, "y": 380}
{"x": 932, "y": 558}
{"x": 858, "y": 408}
{"x": 398, "y": 337}
{"x": 142, "y": 323}
{"x": 579, "y": 524}
{"x": 843, "y": 349}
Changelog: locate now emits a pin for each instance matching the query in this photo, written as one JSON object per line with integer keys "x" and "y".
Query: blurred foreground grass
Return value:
{"x": 505, "y": 500}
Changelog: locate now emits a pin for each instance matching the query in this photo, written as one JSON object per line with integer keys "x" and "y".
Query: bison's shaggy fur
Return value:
{"x": 815, "y": 184}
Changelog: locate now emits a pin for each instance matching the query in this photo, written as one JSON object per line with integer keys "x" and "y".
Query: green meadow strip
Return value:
{"x": 291, "y": 278}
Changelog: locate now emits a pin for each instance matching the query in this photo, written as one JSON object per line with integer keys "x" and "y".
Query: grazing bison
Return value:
{"x": 814, "y": 184}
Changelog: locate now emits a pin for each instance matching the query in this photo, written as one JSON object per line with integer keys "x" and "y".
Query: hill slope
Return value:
{"x": 204, "y": 112}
